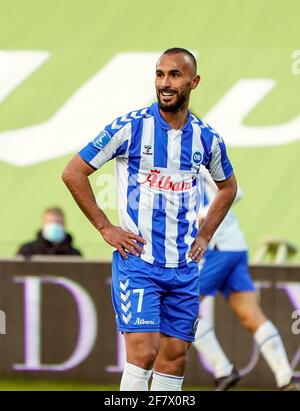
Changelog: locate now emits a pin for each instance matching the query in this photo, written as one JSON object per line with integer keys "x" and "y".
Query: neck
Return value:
{"x": 177, "y": 119}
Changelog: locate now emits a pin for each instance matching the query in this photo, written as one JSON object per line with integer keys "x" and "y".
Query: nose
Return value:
{"x": 166, "y": 82}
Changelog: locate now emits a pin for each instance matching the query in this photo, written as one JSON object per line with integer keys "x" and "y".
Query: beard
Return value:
{"x": 172, "y": 107}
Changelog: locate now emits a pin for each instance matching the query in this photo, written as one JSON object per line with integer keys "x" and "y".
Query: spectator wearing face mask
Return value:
{"x": 52, "y": 239}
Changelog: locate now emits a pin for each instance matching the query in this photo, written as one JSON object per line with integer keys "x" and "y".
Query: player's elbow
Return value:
{"x": 66, "y": 176}
{"x": 76, "y": 171}
{"x": 232, "y": 187}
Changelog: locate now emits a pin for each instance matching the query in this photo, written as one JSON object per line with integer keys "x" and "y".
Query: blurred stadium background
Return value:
{"x": 50, "y": 51}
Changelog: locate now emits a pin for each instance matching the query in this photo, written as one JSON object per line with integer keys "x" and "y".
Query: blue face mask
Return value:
{"x": 54, "y": 232}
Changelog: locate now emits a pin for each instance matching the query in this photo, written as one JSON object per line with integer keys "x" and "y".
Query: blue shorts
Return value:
{"x": 225, "y": 271}
{"x": 147, "y": 297}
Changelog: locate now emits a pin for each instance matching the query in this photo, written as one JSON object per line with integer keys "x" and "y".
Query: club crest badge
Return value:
{"x": 197, "y": 157}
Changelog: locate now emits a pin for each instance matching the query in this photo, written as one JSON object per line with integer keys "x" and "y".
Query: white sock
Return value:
{"x": 165, "y": 382}
{"x": 134, "y": 378}
{"x": 207, "y": 344}
{"x": 272, "y": 349}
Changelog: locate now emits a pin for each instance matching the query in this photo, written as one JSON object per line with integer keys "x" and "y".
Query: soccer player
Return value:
{"x": 155, "y": 278}
{"x": 224, "y": 268}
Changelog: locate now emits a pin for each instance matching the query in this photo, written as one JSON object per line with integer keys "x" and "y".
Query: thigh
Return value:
{"x": 245, "y": 304}
{"x": 180, "y": 305}
{"x": 135, "y": 295}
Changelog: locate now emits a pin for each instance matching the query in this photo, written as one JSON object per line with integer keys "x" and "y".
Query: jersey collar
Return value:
{"x": 163, "y": 123}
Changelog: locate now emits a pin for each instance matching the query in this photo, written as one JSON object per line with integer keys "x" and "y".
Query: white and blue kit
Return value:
{"x": 157, "y": 170}
{"x": 224, "y": 267}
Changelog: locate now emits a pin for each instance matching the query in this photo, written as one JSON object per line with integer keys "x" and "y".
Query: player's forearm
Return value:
{"x": 218, "y": 209}
{"x": 81, "y": 190}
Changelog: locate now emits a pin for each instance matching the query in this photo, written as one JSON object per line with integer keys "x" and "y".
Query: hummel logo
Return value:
{"x": 125, "y": 296}
{"x": 148, "y": 149}
{"x": 127, "y": 319}
{"x": 124, "y": 285}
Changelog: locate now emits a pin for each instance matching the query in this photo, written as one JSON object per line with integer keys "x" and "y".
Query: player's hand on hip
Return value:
{"x": 123, "y": 240}
{"x": 198, "y": 248}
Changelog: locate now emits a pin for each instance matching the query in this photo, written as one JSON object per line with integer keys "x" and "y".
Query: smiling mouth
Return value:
{"x": 167, "y": 93}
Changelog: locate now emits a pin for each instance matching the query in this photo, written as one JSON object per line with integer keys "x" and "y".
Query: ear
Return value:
{"x": 196, "y": 81}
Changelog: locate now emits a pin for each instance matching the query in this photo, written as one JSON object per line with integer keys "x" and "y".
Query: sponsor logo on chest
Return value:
{"x": 167, "y": 183}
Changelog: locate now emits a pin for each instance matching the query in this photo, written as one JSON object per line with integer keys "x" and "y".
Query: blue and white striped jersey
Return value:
{"x": 157, "y": 171}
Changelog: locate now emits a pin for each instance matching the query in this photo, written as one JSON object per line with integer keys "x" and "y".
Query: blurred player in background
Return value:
{"x": 155, "y": 281}
{"x": 52, "y": 238}
{"x": 224, "y": 268}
